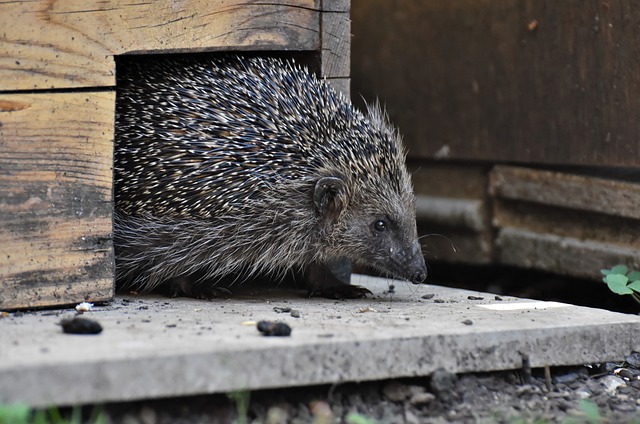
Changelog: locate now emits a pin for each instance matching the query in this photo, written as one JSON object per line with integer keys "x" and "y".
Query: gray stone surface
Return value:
{"x": 157, "y": 347}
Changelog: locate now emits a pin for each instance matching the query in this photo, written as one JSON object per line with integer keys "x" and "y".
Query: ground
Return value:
{"x": 575, "y": 395}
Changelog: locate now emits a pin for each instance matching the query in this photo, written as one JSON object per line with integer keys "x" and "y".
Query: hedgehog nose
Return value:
{"x": 419, "y": 276}
{"x": 419, "y": 271}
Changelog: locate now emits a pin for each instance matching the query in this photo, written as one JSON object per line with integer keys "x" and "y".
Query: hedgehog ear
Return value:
{"x": 328, "y": 196}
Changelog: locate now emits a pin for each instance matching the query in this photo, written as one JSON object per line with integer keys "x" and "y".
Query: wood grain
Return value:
{"x": 560, "y": 254}
{"x": 336, "y": 44}
{"x": 56, "y": 155}
{"x": 564, "y": 223}
{"x": 581, "y": 192}
{"x": 71, "y": 43}
{"x": 474, "y": 80}
{"x": 453, "y": 212}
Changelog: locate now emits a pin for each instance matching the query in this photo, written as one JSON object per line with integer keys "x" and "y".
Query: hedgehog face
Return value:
{"x": 389, "y": 241}
{"x": 378, "y": 234}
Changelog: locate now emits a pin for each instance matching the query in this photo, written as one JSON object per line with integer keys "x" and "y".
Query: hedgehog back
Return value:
{"x": 214, "y": 138}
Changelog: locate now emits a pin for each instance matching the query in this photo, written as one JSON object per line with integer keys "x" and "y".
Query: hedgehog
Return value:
{"x": 246, "y": 166}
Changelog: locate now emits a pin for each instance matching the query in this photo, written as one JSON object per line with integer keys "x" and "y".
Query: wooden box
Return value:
{"x": 57, "y": 94}
{"x": 545, "y": 84}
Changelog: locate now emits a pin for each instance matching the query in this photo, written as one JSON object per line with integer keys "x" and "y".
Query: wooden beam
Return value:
{"x": 582, "y": 192}
{"x": 528, "y": 81}
{"x": 336, "y": 44}
{"x": 56, "y": 157}
{"x": 71, "y": 43}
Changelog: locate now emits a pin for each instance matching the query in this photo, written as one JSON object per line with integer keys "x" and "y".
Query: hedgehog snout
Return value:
{"x": 410, "y": 263}
{"x": 416, "y": 266}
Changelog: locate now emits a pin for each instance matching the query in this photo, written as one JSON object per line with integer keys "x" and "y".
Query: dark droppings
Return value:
{"x": 80, "y": 325}
{"x": 274, "y": 328}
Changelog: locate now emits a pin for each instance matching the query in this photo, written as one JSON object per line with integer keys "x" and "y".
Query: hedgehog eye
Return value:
{"x": 380, "y": 225}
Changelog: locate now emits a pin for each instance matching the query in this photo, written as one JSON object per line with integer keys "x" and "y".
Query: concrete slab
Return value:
{"x": 156, "y": 347}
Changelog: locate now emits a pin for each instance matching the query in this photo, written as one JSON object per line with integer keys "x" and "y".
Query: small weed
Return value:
{"x": 241, "y": 398}
{"x": 622, "y": 281}
{"x": 590, "y": 411}
{"x": 356, "y": 418}
{"x": 22, "y": 414}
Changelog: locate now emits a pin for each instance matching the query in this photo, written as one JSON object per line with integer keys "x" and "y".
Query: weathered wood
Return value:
{"x": 459, "y": 213}
{"x": 452, "y": 210}
{"x": 477, "y": 80}
{"x": 336, "y": 43}
{"x": 619, "y": 198}
{"x": 341, "y": 84}
{"x": 453, "y": 230}
{"x": 560, "y": 254}
{"x": 564, "y": 223}
{"x": 56, "y": 155}
{"x": 71, "y": 43}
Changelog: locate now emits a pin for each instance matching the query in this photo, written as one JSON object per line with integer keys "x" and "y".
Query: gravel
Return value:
{"x": 606, "y": 393}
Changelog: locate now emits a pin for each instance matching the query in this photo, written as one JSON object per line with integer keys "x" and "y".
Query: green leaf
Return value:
{"x": 13, "y": 414}
{"x": 635, "y": 286}
{"x": 633, "y": 275}
{"x": 590, "y": 411}
{"x": 606, "y": 271}
{"x": 617, "y": 283}
{"x": 356, "y": 418}
{"x": 619, "y": 269}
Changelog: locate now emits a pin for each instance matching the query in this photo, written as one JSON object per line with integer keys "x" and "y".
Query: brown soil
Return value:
{"x": 609, "y": 393}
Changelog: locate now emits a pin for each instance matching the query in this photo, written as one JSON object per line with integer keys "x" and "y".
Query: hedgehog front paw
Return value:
{"x": 185, "y": 287}
{"x": 342, "y": 291}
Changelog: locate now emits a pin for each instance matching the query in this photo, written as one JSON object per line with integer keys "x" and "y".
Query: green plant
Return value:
{"x": 356, "y": 418}
{"x": 241, "y": 398}
{"x": 621, "y": 280}
{"x": 590, "y": 411}
{"x": 19, "y": 413}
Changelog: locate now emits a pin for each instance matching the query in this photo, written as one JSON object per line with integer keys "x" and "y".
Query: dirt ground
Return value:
{"x": 609, "y": 393}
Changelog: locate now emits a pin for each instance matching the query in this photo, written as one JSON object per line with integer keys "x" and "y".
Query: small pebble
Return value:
{"x": 442, "y": 383}
{"x": 396, "y": 392}
{"x": 422, "y": 398}
{"x": 281, "y": 310}
{"x": 566, "y": 378}
{"x": 611, "y": 383}
{"x": 633, "y": 360}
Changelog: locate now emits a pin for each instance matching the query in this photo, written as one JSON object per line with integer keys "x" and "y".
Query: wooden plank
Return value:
{"x": 453, "y": 212}
{"x": 56, "y": 156}
{"x": 582, "y": 225}
{"x": 561, "y": 254}
{"x": 335, "y": 48}
{"x": 71, "y": 43}
{"x": 563, "y": 223}
{"x": 341, "y": 84}
{"x": 620, "y": 198}
{"x": 526, "y": 81}
{"x": 458, "y": 213}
